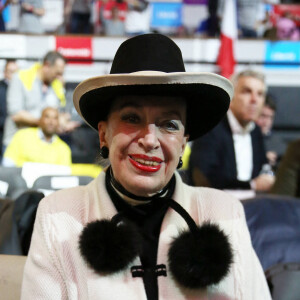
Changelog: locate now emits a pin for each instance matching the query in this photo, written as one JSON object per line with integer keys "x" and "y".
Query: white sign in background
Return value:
{"x": 13, "y": 46}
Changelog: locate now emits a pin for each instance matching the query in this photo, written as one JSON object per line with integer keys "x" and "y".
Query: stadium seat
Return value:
{"x": 283, "y": 280}
{"x": 12, "y": 182}
{"x": 11, "y": 274}
{"x": 16, "y": 222}
{"x": 274, "y": 225}
{"x": 50, "y": 183}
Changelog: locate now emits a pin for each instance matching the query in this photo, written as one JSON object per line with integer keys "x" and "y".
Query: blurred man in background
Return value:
{"x": 30, "y": 16}
{"x": 232, "y": 155}
{"x": 78, "y": 15}
{"x": 9, "y": 69}
{"x": 33, "y": 89}
{"x": 274, "y": 146}
{"x": 39, "y": 144}
{"x": 3, "y": 4}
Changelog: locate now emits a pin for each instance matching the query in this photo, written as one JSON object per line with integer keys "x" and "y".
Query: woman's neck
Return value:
{"x": 133, "y": 199}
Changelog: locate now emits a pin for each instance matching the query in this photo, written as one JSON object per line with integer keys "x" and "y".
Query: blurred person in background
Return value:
{"x": 3, "y": 5}
{"x": 30, "y": 18}
{"x": 213, "y": 21}
{"x": 210, "y": 27}
{"x": 232, "y": 155}
{"x": 39, "y": 144}
{"x": 9, "y": 69}
{"x": 266, "y": 117}
{"x": 78, "y": 15}
{"x": 249, "y": 15}
{"x": 114, "y": 26}
{"x": 138, "y": 17}
{"x": 33, "y": 89}
{"x": 275, "y": 147}
{"x": 288, "y": 173}
{"x": 286, "y": 28}
{"x": 111, "y": 12}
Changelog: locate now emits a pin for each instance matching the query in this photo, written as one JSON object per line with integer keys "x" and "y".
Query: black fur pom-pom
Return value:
{"x": 108, "y": 247}
{"x": 199, "y": 259}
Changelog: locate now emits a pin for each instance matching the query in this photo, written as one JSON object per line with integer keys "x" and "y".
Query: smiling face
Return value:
{"x": 145, "y": 137}
{"x": 248, "y": 99}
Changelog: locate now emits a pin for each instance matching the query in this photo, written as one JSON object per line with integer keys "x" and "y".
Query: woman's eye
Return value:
{"x": 131, "y": 118}
{"x": 170, "y": 125}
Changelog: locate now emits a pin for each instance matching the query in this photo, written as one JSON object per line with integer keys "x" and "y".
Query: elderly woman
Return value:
{"x": 137, "y": 231}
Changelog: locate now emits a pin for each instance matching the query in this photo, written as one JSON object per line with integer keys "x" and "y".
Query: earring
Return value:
{"x": 180, "y": 163}
{"x": 104, "y": 152}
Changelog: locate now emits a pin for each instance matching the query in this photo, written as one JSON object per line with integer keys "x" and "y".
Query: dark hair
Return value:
{"x": 270, "y": 102}
{"x": 52, "y": 56}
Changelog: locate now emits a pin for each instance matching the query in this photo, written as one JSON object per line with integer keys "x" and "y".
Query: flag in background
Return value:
{"x": 225, "y": 59}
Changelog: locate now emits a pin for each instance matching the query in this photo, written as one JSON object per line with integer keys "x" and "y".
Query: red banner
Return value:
{"x": 76, "y": 50}
{"x": 290, "y": 10}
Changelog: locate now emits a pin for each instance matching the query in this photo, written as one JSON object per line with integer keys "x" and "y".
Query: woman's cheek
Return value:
{"x": 171, "y": 152}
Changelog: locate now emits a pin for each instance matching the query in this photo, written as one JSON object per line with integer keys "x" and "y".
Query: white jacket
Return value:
{"x": 55, "y": 270}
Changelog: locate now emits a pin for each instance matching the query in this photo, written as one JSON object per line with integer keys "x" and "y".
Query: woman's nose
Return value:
{"x": 149, "y": 137}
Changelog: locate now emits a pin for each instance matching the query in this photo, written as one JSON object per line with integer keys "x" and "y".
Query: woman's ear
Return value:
{"x": 102, "y": 125}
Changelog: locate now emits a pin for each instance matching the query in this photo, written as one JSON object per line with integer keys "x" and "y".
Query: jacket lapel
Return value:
{"x": 229, "y": 142}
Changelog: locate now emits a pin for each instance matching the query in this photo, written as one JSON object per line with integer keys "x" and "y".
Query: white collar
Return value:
{"x": 236, "y": 127}
{"x": 43, "y": 138}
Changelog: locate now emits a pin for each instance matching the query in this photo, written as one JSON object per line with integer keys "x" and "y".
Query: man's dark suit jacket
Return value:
{"x": 3, "y": 90}
{"x": 213, "y": 155}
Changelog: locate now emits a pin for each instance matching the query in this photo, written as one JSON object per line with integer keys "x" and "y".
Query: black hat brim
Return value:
{"x": 207, "y": 100}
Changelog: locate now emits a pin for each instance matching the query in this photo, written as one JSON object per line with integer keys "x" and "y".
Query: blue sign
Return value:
{"x": 166, "y": 14}
{"x": 6, "y": 14}
{"x": 282, "y": 54}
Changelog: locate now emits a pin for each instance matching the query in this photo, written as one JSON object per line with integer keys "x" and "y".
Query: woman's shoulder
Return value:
{"x": 70, "y": 200}
{"x": 64, "y": 199}
{"x": 215, "y": 202}
{"x": 210, "y": 194}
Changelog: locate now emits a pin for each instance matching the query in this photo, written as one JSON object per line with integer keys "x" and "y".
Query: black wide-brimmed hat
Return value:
{"x": 152, "y": 64}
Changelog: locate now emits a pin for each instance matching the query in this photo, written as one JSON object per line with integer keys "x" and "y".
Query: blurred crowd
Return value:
{"x": 34, "y": 124}
{"x": 270, "y": 19}
{"x": 36, "y": 128}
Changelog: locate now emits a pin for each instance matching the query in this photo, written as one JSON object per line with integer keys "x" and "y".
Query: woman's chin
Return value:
{"x": 141, "y": 183}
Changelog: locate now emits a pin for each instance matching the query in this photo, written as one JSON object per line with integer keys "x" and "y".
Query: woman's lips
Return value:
{"x": 145, "y": 163}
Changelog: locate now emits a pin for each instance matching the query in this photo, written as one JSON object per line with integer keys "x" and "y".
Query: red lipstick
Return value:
{"x": 144, "y": 167}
